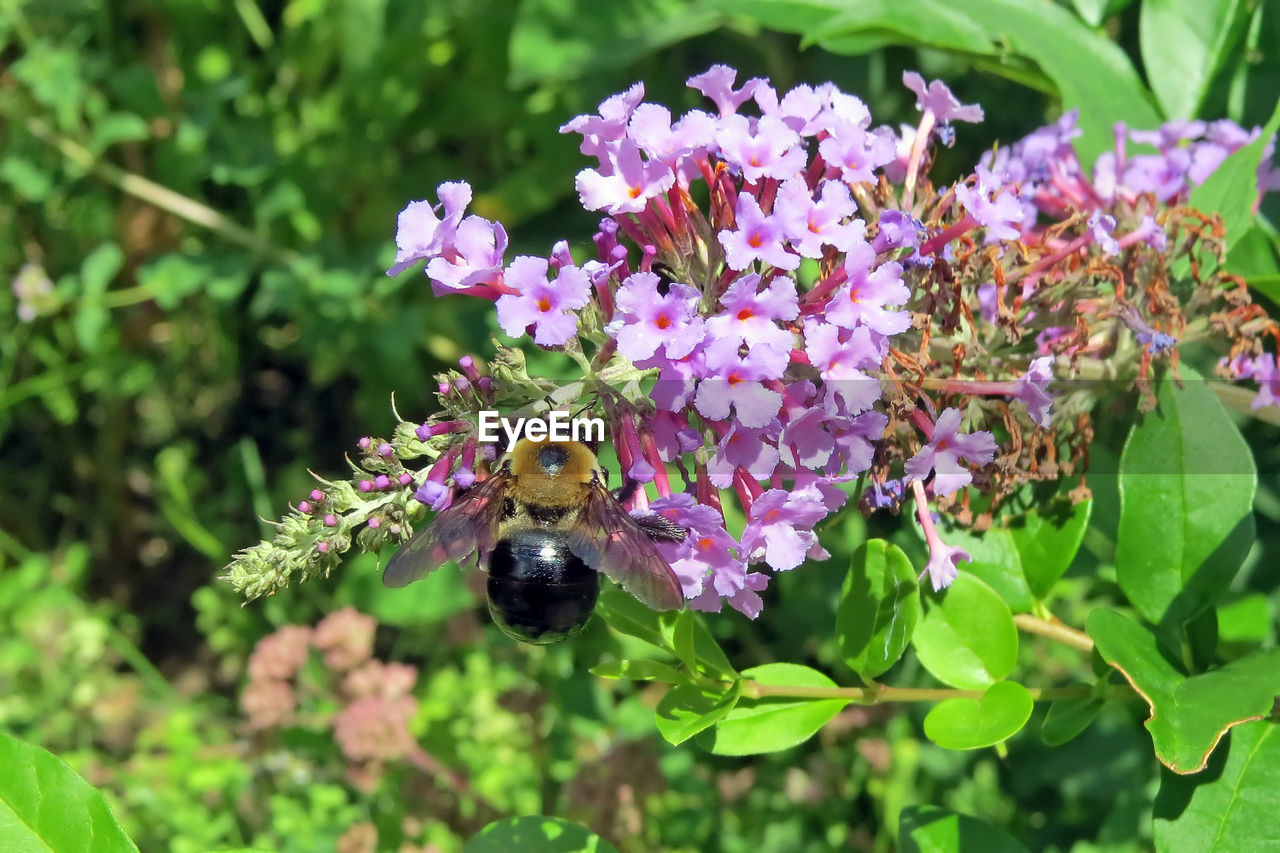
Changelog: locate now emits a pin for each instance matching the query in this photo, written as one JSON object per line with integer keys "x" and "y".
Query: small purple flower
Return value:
{"x": 998, "y": 214}
{"x": 750, "y": 316}
{"x": 863, "y": 298}
{"x": 717, "y": 84}
{"x": 769, "y": 149}
{"x": 477, "y": 256}
{"x": 943, "y": 560}
{"x": 742, "y": 447}
{"x": 420, "y": 234}
{"x": 857, "y": 152}
{"x": 648, "y": 321}
{"x": 1033, "y": 390}
{"x": 1101, "y": 226}
{"x": 810, "y": 225}
{"x": 652, "y": 130}
{"x": 943, "y": 452}
{"x": 625, "y": 182}
{"x": 547, "y": 306}
{"x": 896, "y": 229}
{"x": 840, "y": 355}
{"x": 757, "y": 238}
{"x": 737, "y": 384}
{"x": 1266, "y": 372}
{"x": 781, "y": 527}
{"x": 609, "y": 126}
{"x": 937, "y": 99}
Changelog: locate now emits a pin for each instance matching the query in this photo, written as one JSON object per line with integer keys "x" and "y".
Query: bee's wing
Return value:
{"x": 470, "y": 524}
{"x": 609, "y": 541}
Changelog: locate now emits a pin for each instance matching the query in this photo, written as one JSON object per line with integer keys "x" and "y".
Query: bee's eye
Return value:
{"x": 552, "y": 458}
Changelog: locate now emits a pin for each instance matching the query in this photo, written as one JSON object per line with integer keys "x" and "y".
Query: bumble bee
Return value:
{"x": 547, "y": 524}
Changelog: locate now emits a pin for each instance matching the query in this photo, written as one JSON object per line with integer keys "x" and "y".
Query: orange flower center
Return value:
{"x": 544, "y": 305}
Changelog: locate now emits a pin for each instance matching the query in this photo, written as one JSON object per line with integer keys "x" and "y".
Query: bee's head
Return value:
{"x": 564, "y": 461}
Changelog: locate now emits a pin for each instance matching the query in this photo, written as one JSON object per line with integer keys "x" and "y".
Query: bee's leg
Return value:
{"x": 626, "y": 491}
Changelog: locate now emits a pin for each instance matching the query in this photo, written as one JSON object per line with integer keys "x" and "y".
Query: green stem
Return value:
{"x": 1054, "y": 631}
{"x": 882, "y": 693}
{"x": 160, "y": 196}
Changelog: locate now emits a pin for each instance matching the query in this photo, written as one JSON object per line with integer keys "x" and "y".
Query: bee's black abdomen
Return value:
{"x": 540, "y": 591}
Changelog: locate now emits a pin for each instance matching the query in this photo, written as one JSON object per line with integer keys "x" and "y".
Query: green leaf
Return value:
{"x": 687, "y": 709}
{"x": 995, "y": 560}
{"x": 92, "y": 314}
{"x": 46, "y": 806}
{"x": 1230, "y": 807}
{"x": 926, "y": 22}
{"x": 930, "y": 829}
{"x": 1184, "y": 43}
{"x": 1187, "y": 482}
{"x": 967, "y": 638}
{"x": 1188, "y": 714}
{"x": 773, "y": 723}
{"x": 1067, "y": 718}
{"x": 117, "y": 127}
{"x": 567, "y": 39}
{"x": 1253, "y": 256}
{"x": 682, "y": 640}
{"x": 628, "y": 616}
{"x": 27, "y": 179}
{"x": 1111, "y": 91}
{"x": 1095, "y": 12}
{"x": 536, "y": 834}
{"x": 965, "y": 723}
{"x": 1047, "y": 540}
{"x": 433, "y": 599}
{"x": 640, "y": 670}
{"x": 1246, "y": 620}
{"x": 879, "y": 608}
{"x": 785, "y": 16}
{"x": 1232, "y": 190}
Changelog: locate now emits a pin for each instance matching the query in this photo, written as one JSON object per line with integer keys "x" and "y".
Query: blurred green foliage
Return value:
{"x": 211, "y": 189}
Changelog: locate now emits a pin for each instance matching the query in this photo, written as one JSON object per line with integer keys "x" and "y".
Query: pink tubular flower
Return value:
{"x": 647, "y": 322}
{"x": 547, "y": 306}
{"x": 625, "y": 182}
{"x": 757, "y": 238}
{"x": 810, "y": 225}
{"x": 750, "y": 316}
{"x": 781, "y": 527}
{"x": 478, "y": 249}
{"x": 1266, "y": 372}
{"x": 769, "y": 149}
{"x": 993, "y": 206}
{"x": 943, "y": 558}
{"x": 863, "y": 300}
{"x": 735, "y": 382}
{"x": 717, "y": 84}
{"x": 943, "y": 452}
{"x": 937, "y": 98}
{"x": 420, "y": 234}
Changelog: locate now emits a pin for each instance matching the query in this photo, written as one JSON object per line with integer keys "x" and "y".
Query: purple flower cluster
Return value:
{"x": 790, "y": 328}
{"x": 782, "y": 311}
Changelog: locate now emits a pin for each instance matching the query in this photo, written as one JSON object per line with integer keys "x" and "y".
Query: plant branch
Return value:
{"x": 161, "y": 196}
{"x": 881, "y": 693}
{"x": 1054, "y": 631}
